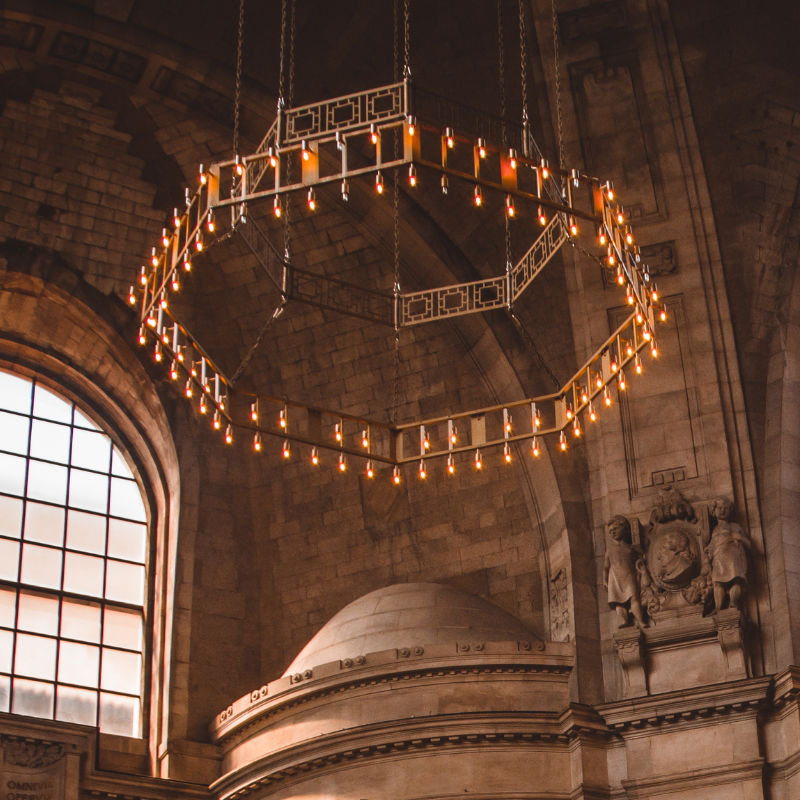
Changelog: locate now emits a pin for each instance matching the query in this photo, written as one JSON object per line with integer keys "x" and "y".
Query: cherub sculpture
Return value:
{"x": 728, "y": 557}
{"x": 619, "y": 573}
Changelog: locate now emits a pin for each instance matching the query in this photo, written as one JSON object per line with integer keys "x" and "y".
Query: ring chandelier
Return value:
{"x": 435, "y": 135}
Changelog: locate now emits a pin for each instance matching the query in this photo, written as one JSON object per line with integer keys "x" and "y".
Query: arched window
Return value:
{"x": 73, "y": 550}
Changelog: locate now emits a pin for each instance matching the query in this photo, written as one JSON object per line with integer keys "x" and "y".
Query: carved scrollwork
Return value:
{"x": 34, "y": 755}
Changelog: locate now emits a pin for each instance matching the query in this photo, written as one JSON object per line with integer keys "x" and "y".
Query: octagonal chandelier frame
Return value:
{"x": 435, "y": 135}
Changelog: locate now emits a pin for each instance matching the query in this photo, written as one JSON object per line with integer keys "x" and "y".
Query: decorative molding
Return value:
{"x": 695, "y": 779}
{"x": 30, "y": 753}
{"x": 20, "y": 35}
{"x": 97, "y": 55}
{"x": 592, "y": 22}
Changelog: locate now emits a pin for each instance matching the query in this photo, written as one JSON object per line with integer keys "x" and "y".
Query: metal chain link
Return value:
{"x": 523, "y": 62}
{"x": 281, "y": 81}
{"x": 524, "y": 331}
{"x": 287, "y": 203}
{"x": 290, "y": 98}
{"x": 501, "y": 58}
{"x": 249, "y": 357}
{"x": 406, "y": 64}
{"x": 395, "y": 44}
{"x": 238, "y": 101}
{"x": 558, "y": 90}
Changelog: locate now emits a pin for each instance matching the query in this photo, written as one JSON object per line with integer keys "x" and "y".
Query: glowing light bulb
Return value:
{"x": 187, "y": 264}
{"x": 198, "y": 242}
{"x": 426, "y": 443}
{"x": 478, "y": 462}
{"x": 663, "y": 314}
{"x": 229, "y": 435}
{"x": 396, "y": 475}
{"x": 537, "y": 420}
{"x": 131, "y": 297}
{"x": 614, "y": 365}
{"x": 304, "y": 149}
{"x": 379, "y": 183}
{"x": 639, "y": 316}
{"x": 188, "y": 389}
{"x": 620, "y": 276}
{"x": 602, "y": 237}
{"x": 482, "y": 148}
{"x": 507, "y": 453}
{"x": 569, "y": 411}
{"x": 412, "y": 175}
{"x": 654, "y": 293}
{"x": 312, "y": 200}
{"x": 337, "y": 431}
{"x": 453, "y": 434}
{"x": 273, "y": 160}
{"x": 176, "y": 218}
{"x": 620, "y": 217}
{"x": 163, "y": 301}
{"x": 576, "y": 427}
{"x": 422, "y": 473}
{"x": 646, "y": 333}
{"x": 637, "y": 364}
{"x": 142, "y": 337}
{"x": 449, "y": 138}
{"x": 203, "y": 407}
{"x": 154, "y": 258}
{"x": 257, "y": 443}
{"x": 478, "y": 196}
{"x": 541, "y": 215}
{"x": 609, "y": 191}
{"x": 562, "y": 442}
{"x": 512, "y": 158}
{"x": 203, "y": 177}
{"x": 606, "y": 396}
{"x": 173, "y": 371}
{"x": 653, "y": 349}
{"x": 598, "y": 380}
{"x": 451, "y": 467}
{"x": 342, "y": 462}
{"x": 151, "y": 321}
{"x": 164, "y": 237}
{"x": 364, "y": 439}
{"x": 535, "y": 447}
{"x": 584, "y": 395}
{"x": 143, "y": 276}
{"x": 630, "y": 296}
{"x": 573, "y": 227}
{"x": 545, "y": 170}
{"x": 628, "y": 349}
{"x": 157, "y": 352}
{"x": 210, "y": 226}
{"x": 276, "y": 206}
{"x": 592, "y": 412}
{"x": 286, "y": 452}
{"x": 175, "y": 282}
{"x": 314, "y": 456}
{"x": 412, "y": 126}
{"x": 373, "y": 133}
{"x": 629, "y": 235}
{"x": 621, "y": 381}
{"x": 370, "y": 470}
{"x": 510, "y": 206}
{"x": 282, "y": 419}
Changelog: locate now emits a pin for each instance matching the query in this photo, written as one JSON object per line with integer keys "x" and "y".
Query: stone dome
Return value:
{"x": 405, "y": 615}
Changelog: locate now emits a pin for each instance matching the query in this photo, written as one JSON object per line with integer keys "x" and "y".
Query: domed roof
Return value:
{"x": 405, "y": 615}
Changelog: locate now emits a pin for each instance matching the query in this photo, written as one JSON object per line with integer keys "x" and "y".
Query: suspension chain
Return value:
{"x": 558, "y": 90}
{"x": 249, "y": 357}
{"x": 406, "y": 64}
{"x": 287, "y": 242}
{"x": 238, "y": 101}
{"x": 523, "y": 62}
{"x": 281, "y": 81}
{"x": 532, "y": 343}
{"x": 395, "y": 44}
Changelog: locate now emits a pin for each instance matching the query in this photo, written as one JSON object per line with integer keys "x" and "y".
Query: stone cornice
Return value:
{"x": 687, "y": 705}
{"x": 430, "y": 662}
{"x": 465, "y": 730}
{"x": 695, "y": 779}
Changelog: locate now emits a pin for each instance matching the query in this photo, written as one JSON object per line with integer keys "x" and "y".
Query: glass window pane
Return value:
{"x": 119, "y": 466}
{"x": 76, "y": 705}
{"x": 15, "y": 393}
{"x": 126, "y": 540}
{"x": 78, "y": 663}
{"x": 119, "y": 715}
{"x": 87, "y": 490}
{"x": 9, "y": 560}
{"x": 86, "y": 532}
{"x": 80, "y": 620}
{"x": 35, "y": 656}
{"x": 50, "y": 441}
{"x": 47, "y": 482}
{"x": 8, "y": 607}
{"x": 10, "y": 517}
{"x": 125, "y": 582}
{"x": 44, "y": 524}
{"x": 90, "y": 450}
{"x": 50, "y": 406}
{"x": 80, "y": 420}
{"x": 38, "y": 613}
{"x": 126, "y": 500}
{"x": 83, "y": 574}
{"x": 5, "y": 693}
{"x": 12, "y": 474}
{"x": 41, "y": 566}
{"x": 14, "y": 433}
{"x": 6, "y": 648}
{"x": 122, "y": 629}
{"x": 122, "y": 672}
{"x": 33, "y": 699}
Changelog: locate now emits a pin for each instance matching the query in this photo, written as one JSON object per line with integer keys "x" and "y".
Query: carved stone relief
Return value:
{"x": 680, "y": 578}
{"x": 559, "y": 608}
